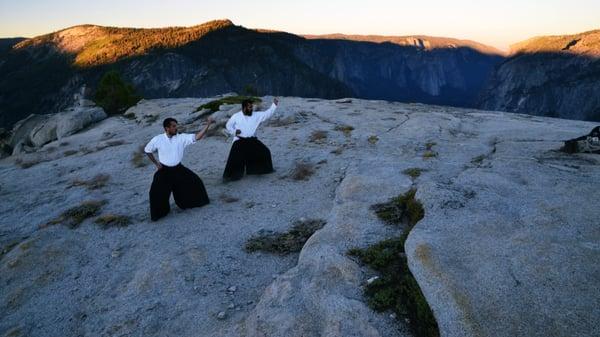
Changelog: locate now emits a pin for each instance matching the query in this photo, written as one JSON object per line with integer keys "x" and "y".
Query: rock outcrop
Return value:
{"x": 508, "y": 245}
{"x": 321, "y": 295}
{"x": 38, "y": 130}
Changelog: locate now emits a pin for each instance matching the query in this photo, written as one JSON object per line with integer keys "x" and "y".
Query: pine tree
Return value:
{"x": 114, "y": 95}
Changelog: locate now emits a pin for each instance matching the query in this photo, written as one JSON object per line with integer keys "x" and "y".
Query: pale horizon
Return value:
{"x": 495, "y": 24}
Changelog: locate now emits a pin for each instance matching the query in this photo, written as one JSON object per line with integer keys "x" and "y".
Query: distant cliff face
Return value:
{"x": 41, "y": 75}
{"x": 421, "y": 69}
{"x": 557, "y": 76}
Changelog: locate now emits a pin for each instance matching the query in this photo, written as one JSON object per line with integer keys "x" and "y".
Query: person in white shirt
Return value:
{"x": 171, "y": 176}
{"x": 247, "y": 152}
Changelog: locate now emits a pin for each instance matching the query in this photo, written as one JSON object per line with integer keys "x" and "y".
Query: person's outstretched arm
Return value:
{"x": 201, "y": 134}
{"x": 264, "y": 115}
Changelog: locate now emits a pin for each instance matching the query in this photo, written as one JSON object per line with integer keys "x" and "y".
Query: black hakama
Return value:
{"x": 250, "y": 155}
{"x": 188, "y": 190}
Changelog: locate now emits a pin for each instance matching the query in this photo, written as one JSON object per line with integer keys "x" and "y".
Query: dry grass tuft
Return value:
{"x": 74, "y": 216}
{"x": 113, "y": 220}
{"x": 228, "y": 199}
{"x": 303, "y": 171}
{"x": 346, "y": 129}
{"x": 338, "y": 151}
{"x": 95, "y": 183}
{"x": 318, "y": 136}
{"x": 413, "y": 172}
{"x": 28, "y": 163}
{"x": 373, "y": 139}
{"x": 138, "y": 159}
{"x": 430, "y": 154}
{"x": 110, "y": 143}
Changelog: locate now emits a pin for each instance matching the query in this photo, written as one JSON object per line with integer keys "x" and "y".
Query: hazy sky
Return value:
{"x": 498, "y": 23}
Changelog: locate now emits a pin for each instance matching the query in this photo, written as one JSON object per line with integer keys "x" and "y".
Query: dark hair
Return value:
{"x": 167, "y": 122}
{"x": 246, "y": 102}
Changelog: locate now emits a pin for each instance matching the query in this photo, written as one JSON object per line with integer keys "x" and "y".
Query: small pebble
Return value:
{"x": 221, "y": 315}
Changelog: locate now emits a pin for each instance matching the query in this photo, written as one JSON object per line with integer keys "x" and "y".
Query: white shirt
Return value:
{"x": 248, "y": 124}
{"x": 170, "y": 150}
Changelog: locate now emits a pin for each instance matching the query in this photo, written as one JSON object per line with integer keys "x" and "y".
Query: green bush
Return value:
{"x": 291, "y": 241}
{"x": 214, "y": 105}
{"x": 114, "y": 95}
{"x": 396, "y": 288}
{"x": 401, "y": 210}
{"x": 413, "y": 172}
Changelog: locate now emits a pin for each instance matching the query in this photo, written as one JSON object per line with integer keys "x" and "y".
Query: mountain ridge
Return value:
{"x": 587, "y": 43}
{"x": 204, "y": 60}
{"x": 556, "y": 76}
{"x": 98, "y": 40}
{"x": 41, "y": 74}
{"x": 192, "y": 33}
{"x": 420, "y": 41}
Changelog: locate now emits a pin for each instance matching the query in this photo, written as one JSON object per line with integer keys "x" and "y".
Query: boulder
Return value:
{"x": 137, "y": 111}
{"x": 37, "y": 130}
{"x": 70, "y": 122}
{"x": 222, "y": 116}
{"x": 24, "y": 127}
{"x": 44, "y": 132}
{"x": 283, "y": 117}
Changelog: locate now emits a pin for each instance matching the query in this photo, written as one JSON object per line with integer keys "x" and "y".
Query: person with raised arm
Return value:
{"x": 248, "y": 154}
